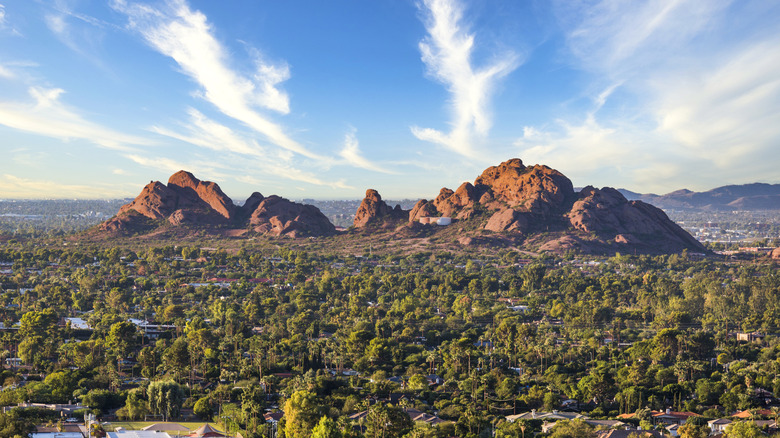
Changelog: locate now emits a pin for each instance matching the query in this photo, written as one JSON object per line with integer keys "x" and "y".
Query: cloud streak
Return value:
{"x": 703, "y": 88}
{"x": 46, "y": 115}
{"x": 185, "y": 35}
{"x": 25, "y": 188}
{"x": 446, "y": 52}
{"x": 352, "y": 155}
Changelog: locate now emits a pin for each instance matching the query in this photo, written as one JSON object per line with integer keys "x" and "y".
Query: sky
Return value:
{"x": 325, "y": 99}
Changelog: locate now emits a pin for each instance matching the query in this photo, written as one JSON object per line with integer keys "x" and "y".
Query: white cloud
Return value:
{"x": 46, "y": 115}
{"x": 162, "y": 164}
{"x": 622, "y": 38}
{"x": 209, "y": 134}
{"x": 446, "y": 52}
{"x": 351, "y": 154}
{"x": 24, "y": 188}
{"x": 6, "y": 73}
{"x": 690, "y": 95}
{"x": 186, "y": 36}
{"x": 83, "y": 40}
{"x": 730, "y": 114}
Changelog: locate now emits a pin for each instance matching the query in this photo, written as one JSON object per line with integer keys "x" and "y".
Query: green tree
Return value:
{"x": 572, "y": 429}
{"x": 301, "y": 412}
{"x": 326, "y": 428}
{"x": 203, "y": 408}
{"x": 177, "y": 358}
{"x": 743, "y": 429}
{"x": 691, "y": 430}
{"x": 165, "y": 398}
{"x": 136, "y": 406}
{"x": 387, "y": 422}
{"x": 122, "y": 338}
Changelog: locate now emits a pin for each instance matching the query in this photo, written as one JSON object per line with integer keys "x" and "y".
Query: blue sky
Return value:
{"x": 324, "y": 99}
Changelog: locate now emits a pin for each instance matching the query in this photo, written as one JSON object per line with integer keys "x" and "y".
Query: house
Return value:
{"x": 121, "y": 433}
{"x": 205, "y": 431}
{"x": 416, "y": 416}
{"x": 273, "y": 417}
{"x": 748, "y": 414}
{"x": 749, "y": 337}
{"x": 718, "y": 425}
{"x": 554, "y": 415}
{"x": 673, "y": 417}
{"x": 625, "y": 433}
{"x": 77, "y": 324}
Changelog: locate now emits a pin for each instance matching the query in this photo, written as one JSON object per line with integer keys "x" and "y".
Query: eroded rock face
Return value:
{"x": 450, "y": 203}
{"x": 538, "y": 189}
{"x": 506, "y": 220}
{"x": 522, "y": 200}
{"x": 278, "y": 216}
{"x": 193, "y": 191}
{"x": 776, "y": 253}
{"x": 373, "y": 210}
{"x": 156, "y": 201}
{"x": 606, "y": 212}
{"x": 186, "y": 200}
{"x": 422, "y": 208}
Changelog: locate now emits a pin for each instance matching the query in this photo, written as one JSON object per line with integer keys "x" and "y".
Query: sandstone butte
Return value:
{"x": 187, "y": 201}
{"x": 524, "y": 203}
{"x": 509, "y": 204}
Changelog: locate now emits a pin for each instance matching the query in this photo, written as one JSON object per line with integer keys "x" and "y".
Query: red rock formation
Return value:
{"x": 156, "y": 201}
{"x": 506, "y": 220}
{"x": 776, "y": 253}
{"x": 278, "y": 216}
{"x": 188, "y": 201}
{"x": 538, "y": 189}
{"x": 450, "y": 203}
{"x": 422, "y": 208}
{"x": 197, "y": 191}
{"x": 607, "y": 213}
{"x": 373, "y": 209}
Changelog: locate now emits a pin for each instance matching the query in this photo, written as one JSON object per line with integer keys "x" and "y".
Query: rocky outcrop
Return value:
{"x": 450, "y": 204}
{"x": 521, "y": 202}
{"x": 278, "y": 216}
{"x": 776, "y": 253}
{"x": 422, "y": 208}
{"x": 188, "y": 201}
{"x": 538, "y": 189}
{"x": 609, "y": 214}
{"x": 193, "y": 193}
{"x": 156, "y": 201}
{"x": 506, "y": 220}
{"x": 373, "y": 210}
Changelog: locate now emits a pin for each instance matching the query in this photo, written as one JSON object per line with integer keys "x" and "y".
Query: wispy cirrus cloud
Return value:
{"x": 46, "y": 115}
{"x": 447, "y": 53}
{"x": 689, "y": 85}
{"x": 352, "y": 155}
{"x": 79, "y": 32}
{"x": 186, "y": 36}
{"x": 205, "y": 132}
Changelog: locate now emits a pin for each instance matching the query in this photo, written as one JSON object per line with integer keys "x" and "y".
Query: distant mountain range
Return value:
{"x": 756, "y": 196}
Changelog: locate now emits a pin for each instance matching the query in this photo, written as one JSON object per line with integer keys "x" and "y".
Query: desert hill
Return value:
{"x": 188, "y": 202}
{"x": 756, "y": 196}
{"x": 532, "y": 208}
{"x": 536, "y": 207}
